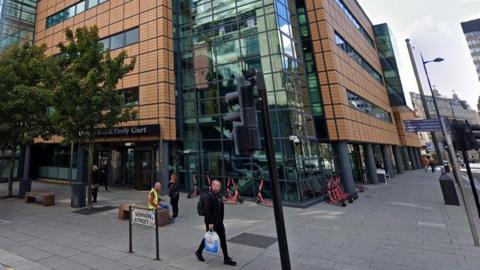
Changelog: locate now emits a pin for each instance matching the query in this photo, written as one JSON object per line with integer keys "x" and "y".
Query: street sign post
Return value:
{"x": 145, "y": 217}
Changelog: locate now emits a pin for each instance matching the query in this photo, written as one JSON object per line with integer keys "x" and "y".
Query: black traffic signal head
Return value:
{"x": 245, "y": 132}
{"x": 464, "y": 137}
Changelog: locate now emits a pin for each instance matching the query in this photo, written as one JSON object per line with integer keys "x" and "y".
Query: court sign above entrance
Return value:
{"x": 129, "y": 131}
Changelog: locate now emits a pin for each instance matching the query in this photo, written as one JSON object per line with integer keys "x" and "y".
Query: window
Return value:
{"x": 132, "y": 36}
{"x": 355, "y": 22}
{"x": 130, "y": 96}
{"x": 347, "y": 48}
{"x": 367, "y": 107}
{"x": 121, "y": 40}
{"x": 71, "y": 11}
{"x": 116, "y": 41}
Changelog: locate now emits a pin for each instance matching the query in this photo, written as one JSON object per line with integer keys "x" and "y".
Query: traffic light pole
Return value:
{"x": 272, "y": 168}
{"x": 472, "y": 180}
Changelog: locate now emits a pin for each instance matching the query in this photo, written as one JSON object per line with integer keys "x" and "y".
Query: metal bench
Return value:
{"x": 47, "y": 198}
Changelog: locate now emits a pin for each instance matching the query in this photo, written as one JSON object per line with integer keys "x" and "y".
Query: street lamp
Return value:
{"x": 436, "y": 60}
{"x": 452, "y": 155}
{"x": 438, "y": 151}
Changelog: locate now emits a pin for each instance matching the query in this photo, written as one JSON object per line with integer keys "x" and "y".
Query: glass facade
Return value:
{"x": 313, "y": 82}
{"x": 215, "y": 41}
{"x": 387, "y": 50}
{"x": 17, "y": 21}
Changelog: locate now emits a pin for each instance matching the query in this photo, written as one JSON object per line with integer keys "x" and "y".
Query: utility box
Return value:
{"x": 448, "y": 189}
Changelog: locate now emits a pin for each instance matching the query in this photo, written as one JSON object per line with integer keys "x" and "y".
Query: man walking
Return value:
{"x": 213, "y": 210}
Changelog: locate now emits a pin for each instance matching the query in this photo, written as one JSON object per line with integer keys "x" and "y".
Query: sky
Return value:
{"x": 433, "y": 27}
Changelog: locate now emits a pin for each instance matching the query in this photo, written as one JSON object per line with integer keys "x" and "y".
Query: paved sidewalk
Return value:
{"x": 402, "y": 225}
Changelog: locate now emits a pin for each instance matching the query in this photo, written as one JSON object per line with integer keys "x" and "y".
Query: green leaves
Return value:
{"x": 24, "y": 100}
{"x": 84, "y": 80}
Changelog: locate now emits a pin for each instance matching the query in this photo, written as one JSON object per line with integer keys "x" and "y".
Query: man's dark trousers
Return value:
{"x": 220, "y": 230}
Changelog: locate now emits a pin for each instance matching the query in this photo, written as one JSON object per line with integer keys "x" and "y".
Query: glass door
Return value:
{"x": 144, "y": 169}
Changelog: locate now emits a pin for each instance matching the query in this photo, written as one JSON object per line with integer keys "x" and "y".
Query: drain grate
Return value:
{"x": 253, "y": 240}
{"x": 88, "y": 212}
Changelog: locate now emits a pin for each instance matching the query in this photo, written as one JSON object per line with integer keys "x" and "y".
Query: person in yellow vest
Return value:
{"x": 154, "y": 199}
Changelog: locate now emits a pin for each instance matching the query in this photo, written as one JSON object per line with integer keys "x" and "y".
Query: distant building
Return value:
{"x": 452, "y": 108}
{"x": 17, "y": 21}
{"x": 471, "y": 29}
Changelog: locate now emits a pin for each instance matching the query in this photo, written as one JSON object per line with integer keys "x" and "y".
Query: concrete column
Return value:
{"x": 345, "y": 167}
{"x": 25, "y": 181}
{"x": 419, "y": 152}
{"x": 398, "y": 159}
{"x": 387, "y": 161}
{"x": 411, "y": 156}
{"x": 406, "y": 158}
{"x": 370, "y": 163}
{"x": 417, "y": 158}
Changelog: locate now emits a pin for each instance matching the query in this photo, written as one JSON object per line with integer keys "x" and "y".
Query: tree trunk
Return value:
{"x": 89, "y": 173}
{"x": 10, "y": 175}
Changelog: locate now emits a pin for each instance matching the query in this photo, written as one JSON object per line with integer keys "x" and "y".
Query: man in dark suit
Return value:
{"x": 213, "y": 209}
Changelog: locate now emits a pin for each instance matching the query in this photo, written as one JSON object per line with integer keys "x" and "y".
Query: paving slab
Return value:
{"x": 400, "y": 226}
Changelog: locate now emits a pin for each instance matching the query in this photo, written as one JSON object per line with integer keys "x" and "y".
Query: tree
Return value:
{"x": 24, "y": 100}
{"x": 84, "y": 78}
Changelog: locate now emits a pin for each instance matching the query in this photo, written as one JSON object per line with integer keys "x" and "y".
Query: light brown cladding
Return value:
{"x": 339, "y": 72}
{"x": 154, "y": 71}
{"x": 406, "y": 138}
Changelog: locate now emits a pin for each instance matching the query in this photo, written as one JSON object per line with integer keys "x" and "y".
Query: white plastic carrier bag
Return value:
{"x": 212, "y": 243}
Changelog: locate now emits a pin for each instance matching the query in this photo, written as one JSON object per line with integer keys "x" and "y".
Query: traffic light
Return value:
{"x": 475, "y": 131}
{"x": 465, "y": 136}
{"x": 245, "y": 133}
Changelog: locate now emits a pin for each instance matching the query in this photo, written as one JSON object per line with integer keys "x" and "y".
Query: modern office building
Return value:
{"x": 140, "y": 152}
{"x": 17, "y": 21}
{"x": 327, "y": 92}
{"x": 471, "y": 29}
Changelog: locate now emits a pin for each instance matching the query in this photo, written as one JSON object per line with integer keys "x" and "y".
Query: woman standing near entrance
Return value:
{"x": 174, "y": 194}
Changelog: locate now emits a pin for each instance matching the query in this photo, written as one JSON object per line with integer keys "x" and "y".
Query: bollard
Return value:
{"x": 448, "y": 189}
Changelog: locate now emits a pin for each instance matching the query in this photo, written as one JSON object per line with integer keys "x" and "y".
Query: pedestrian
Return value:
{"x": 174, "y": 194}
{"x": 95, "y": 182}
{"x": 425, "y": 163}
{"x": 213, "y": 210}
{"x": 104, "y": 173}
{"x": 431, "y": 162}
{"x": 154, "y": 199}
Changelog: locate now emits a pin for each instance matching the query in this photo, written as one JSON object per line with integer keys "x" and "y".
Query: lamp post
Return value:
{"x": 453, "y": 156}
{"x": 438, "y": 150}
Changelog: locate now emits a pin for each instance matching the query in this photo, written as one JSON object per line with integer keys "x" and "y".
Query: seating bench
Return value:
{"x": 47, "y": 198}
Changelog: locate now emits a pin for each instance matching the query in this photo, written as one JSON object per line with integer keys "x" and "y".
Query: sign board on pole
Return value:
{"x": 430, "y": 146}
{"x": 428, "y": 125}
{"x": 143, "y": 217}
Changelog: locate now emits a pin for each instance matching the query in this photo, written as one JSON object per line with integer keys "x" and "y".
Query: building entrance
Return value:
{"x": 128, "y": 165}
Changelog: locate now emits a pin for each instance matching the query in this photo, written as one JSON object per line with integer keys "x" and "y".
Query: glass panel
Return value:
{"x": 132, "y": 36}
{"x": 80, "y": 7}
{"x": 117, "y": 41}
